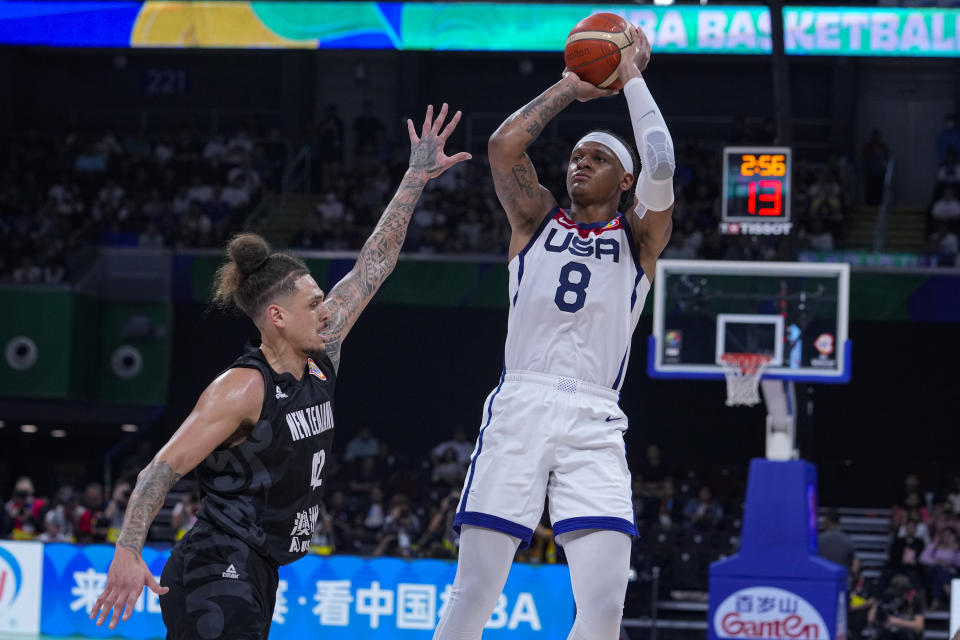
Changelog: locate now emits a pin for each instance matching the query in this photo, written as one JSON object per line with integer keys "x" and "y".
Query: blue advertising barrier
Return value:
{"x": 776, "y": 587}
{"x": 331, "y": 597}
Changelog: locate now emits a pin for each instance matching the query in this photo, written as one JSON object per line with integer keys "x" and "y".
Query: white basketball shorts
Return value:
{"x": 545, "y": 435}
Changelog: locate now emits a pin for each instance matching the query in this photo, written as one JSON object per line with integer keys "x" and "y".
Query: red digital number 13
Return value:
{"x": 774, "y": 199}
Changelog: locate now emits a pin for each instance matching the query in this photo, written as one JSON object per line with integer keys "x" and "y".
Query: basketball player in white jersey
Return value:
{"x": 578, "y": 280}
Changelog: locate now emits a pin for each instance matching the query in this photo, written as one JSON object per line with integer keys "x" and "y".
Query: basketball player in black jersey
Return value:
{"x": 260, "y": 433}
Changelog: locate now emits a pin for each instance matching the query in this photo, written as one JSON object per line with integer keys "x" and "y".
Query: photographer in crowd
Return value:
{"x": 898, "y": 615}
{"x": 23, "y": 513}
{"x": 400, "y": 529}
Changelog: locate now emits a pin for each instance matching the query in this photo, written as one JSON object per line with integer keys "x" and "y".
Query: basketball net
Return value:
{"x": 743, "y": 371}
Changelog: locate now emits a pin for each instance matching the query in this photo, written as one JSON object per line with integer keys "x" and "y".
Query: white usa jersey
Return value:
{"x": 576, "y": 293}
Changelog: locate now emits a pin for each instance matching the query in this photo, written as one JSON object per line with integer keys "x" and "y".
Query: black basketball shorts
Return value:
{"x": 219, "y": 588}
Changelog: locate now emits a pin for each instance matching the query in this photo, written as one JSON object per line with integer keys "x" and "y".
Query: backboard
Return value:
{"x": 797, "y": 313}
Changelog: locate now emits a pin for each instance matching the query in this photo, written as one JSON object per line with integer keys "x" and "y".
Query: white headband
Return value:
{"x": 611, "y": 143}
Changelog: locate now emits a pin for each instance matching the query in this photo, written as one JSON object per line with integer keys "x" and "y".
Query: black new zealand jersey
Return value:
{"x": 267, "y": 489}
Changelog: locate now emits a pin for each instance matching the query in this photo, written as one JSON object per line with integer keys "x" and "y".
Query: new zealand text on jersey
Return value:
{"x": 310, "y": 421}
{"x": 583, "y": 247}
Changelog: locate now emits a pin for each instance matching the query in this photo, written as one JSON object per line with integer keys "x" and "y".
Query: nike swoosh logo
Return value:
{"x": 611, "y": 419}
{"x": 647, "y": 113}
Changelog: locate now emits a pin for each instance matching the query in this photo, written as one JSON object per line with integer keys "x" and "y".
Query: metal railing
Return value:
{"x": 883, "y": 211}
{"x": 655, "y": 623}
{"x": 259, "y": 216}
{"x": 296, "y": 177}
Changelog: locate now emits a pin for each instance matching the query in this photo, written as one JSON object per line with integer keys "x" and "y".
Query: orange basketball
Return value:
{"x": 593, "y": 49}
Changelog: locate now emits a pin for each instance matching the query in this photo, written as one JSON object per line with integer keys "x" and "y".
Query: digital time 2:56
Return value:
{"x": 763, "y": 165}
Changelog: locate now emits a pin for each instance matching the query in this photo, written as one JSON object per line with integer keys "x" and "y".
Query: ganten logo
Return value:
{"x": 769, "y": 613}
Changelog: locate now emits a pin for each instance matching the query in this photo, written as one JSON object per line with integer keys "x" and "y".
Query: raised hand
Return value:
{"x": 125, "y": 581}
{"x": 128, "y": 573}
{"x": 379, "y": 254}
{"x": 426, "y": 150}
{"x": 585, "y": 91}
{"x": 635, "y": 58}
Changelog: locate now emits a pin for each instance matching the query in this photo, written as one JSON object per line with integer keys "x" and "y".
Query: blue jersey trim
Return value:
{"x": 488, "y": 521}
{"x": 633, "y": 303}
{"x": 616, "y": 383}
{"x": 536, "y": 234}
{"x": 587, "y": 226}
{"x": 523, "y": 252}
{"x": 633, "y": 507}
{"x": 636, "y": 283}
{"x": 636, "y": 262}
{"x": 519, "y": 278}
{"x": 633, "y": 249}
{"x": 473, "y": 463}
{"x": 606, "y": 523}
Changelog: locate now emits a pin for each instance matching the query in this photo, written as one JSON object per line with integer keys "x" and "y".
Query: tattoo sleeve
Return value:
{"x": 376, "y": 261}
{"x": 533, "y": 117}
{"x": 526, "y": 185}
{"x": 514, "y": 176}
{"x": 152, "y": 488}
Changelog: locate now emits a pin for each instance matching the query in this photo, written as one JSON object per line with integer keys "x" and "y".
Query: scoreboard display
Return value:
{"x": 756, "y": 190}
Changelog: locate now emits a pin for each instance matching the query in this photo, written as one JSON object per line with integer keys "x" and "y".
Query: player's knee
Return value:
{"x": 473, "y": 593}
{"x": 468, "y": 608}
{"x": 607, "y": 606}
{"x": 597, "y": 624}
{"x": 600, "y": 619}
{"x": 603, "y": 604}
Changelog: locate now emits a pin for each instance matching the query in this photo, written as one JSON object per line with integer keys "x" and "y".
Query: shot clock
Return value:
{"x": 756, "y": 190}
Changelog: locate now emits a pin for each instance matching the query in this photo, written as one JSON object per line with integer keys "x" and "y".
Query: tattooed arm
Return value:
{"x": 151, "y": 490}
{"x": 523, "y": 198}
{"x": 224, "y": 411}
{"x": 379, "y": 254}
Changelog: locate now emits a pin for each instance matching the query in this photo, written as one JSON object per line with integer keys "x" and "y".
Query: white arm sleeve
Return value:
{"x": 655, "y": 182}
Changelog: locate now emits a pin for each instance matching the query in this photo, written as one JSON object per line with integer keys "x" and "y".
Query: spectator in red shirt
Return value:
{"x": 24, "y": 511}
{"x": 89, "y": 524}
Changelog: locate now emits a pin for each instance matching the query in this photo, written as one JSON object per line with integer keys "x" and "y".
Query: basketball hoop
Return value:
{"x": 743, "y": 371}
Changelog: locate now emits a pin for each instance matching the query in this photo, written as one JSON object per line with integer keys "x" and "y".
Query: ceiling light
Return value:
{"x": 58, "y": 433}
{"x": 28, "y": 428}
{"x": 128, "y": 428}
